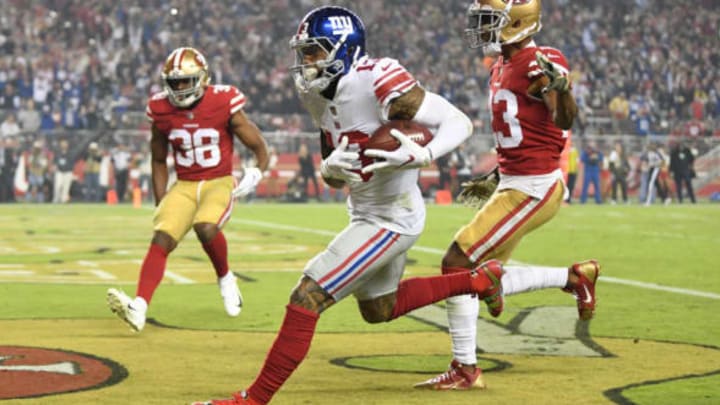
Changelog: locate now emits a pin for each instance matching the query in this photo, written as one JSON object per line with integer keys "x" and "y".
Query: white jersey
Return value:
{"x": 391, "y": 200}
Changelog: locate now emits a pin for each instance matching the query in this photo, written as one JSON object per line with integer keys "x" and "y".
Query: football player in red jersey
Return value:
{"x": 199, "y": 121}
{"x": 531, "y": 107}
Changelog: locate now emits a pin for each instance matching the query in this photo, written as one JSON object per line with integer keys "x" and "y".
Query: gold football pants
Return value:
{"x": 501, "y": 223}
{"x": 192, "y": 202}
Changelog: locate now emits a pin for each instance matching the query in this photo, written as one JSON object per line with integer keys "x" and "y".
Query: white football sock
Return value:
{"x": 229, "y": 277}
{"x": 462, "y": 312}
{"x": 518, "y": 279}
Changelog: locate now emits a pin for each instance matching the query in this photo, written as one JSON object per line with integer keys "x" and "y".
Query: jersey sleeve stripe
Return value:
{"x": 237, "y": 108}
{"x": 237, "y": 103}
{"x": 237, "y": 98}
{"x": 397, "y": 83}
{"x": 387, "y": 75}
{"x": 399, "y": 89}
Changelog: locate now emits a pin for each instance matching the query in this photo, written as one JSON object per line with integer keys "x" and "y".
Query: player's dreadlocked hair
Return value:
{"x": 478, "y": 190}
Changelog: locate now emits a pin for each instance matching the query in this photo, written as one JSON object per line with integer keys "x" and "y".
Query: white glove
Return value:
{"x": 247, "y": 184}
{"x": 339, "y": 163}
{"x": 557, "y": 74}
{"x": 409, "y": 155}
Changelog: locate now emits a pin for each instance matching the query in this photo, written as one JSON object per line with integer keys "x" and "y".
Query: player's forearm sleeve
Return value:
{"x": 450, "y": 125}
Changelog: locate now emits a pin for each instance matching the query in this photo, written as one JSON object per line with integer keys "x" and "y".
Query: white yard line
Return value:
{"x": 439, "y": 252}
{"x": 103, "y": 275}
{"x": 658, "y": 287}
{"x": 23, "y": 273}
{"x": 178, "y": 278}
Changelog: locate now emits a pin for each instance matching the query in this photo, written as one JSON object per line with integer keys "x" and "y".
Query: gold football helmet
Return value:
{"x": 185, "y": 76}
{"x": 494, "y": 23}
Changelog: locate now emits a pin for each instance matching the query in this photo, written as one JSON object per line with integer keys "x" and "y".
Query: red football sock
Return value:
{"x": 417, "y": 292}
{"x": 216, "y": 250}
{"x": 152, "y": 271}
{"x": 289, "y": 349}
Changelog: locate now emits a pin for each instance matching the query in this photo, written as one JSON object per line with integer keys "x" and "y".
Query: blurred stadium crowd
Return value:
{"x": 85, "y": 63}
{"x": 640, "y": 67}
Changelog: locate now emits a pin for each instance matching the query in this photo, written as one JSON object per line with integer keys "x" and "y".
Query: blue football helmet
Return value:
{"x": 336, "y": 31}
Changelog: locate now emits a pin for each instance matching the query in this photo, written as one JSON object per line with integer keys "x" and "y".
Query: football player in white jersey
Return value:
{"x": 349, "y": 96}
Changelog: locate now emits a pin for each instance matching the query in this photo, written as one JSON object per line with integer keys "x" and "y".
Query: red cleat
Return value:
{"x": 455, "y": 379}
{"x": 239, "y": 398}
{"x": 584, "y": 289}
{"x": 489, "y": 288}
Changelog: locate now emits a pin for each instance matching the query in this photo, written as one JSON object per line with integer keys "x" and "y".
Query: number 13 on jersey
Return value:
{"x": 508, "y": 133}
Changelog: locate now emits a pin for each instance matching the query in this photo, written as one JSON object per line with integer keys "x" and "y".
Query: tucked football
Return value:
{"x": 381, "y": 138}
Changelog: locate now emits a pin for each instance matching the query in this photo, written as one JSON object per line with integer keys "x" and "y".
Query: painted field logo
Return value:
{"x": 34, "y": 372}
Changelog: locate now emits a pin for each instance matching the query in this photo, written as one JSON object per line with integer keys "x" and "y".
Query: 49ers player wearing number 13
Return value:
{"x": 531, "y": 107}
{"x": 199, "y": 121}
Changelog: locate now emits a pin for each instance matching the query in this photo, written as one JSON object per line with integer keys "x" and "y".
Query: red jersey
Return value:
{"x": 200, "y": 136}
{"x": 527, "y": 140}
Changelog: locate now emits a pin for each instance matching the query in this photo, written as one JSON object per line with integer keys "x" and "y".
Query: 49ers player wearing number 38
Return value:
{"x": 350, "y": 95}
{"x": 531, "y": 106}
{"x": 200, "y": 122}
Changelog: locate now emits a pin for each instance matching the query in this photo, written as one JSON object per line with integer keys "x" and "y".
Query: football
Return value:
{"x": 535, "y": 88}
{"x": 381, "y": 138}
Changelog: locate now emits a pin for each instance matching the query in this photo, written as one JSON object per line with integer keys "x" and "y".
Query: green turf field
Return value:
{"x": 655, "y": 338}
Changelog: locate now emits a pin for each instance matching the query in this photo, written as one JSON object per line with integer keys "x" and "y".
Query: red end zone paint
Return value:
{"x": 34, "y": 372}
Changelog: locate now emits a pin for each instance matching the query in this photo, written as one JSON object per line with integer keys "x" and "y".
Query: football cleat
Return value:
{"x": 455, "y": 379}
{"x": 238, "y": 398}
{"x": 121, "y": 305}
{"x": 486, "y": 281}
{"x": 584, "y": 290}
{"x": 232, "y": 299}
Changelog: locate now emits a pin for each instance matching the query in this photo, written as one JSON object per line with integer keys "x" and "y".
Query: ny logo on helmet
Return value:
{"x": 341, "y": 24}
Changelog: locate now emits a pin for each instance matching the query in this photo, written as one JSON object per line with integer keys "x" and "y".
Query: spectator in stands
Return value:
{"x": 643, "y": 122}
{"x": 36, "y": 162}
{"x": 29, "y": 117}
{"x": 63, "y": 163}
{"x": 681, "y": 167}
{"x": 121, "y": 166}
{"x": 619, "y": 112}
{"x": 144, "y": 158}
{"x": 655, "y": 162}
{"x": 9, "y": 99}
{"x": 93, "y": 159}
{"x": 120, "y": 43}
{"x": 9, "y": 126}
{"x": 619, "y": 170}
{"x": 592, "y": 160}
{"x": 445, "y": 177}
{"x": 572, "y": 171}
{"x": 307, "y": 170}
{"x": 8, "y": 165}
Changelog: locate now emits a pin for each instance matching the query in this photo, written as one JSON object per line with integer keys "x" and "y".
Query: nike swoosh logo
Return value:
{"x": 588, "y": 297}
{"x": 386, "y": 67}
{"x": 410, "y": 160}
